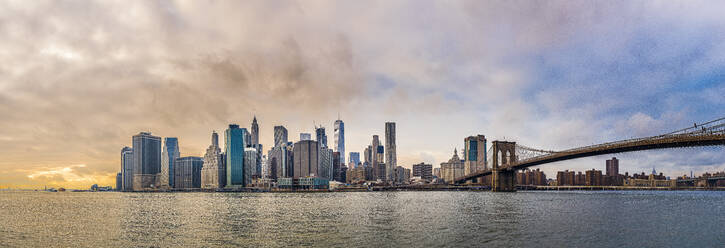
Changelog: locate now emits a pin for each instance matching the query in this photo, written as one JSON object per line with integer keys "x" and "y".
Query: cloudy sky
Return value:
{"x": 79, "y": 78}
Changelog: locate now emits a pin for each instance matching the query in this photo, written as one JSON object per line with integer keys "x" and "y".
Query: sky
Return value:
{"x": 79, "y": 78}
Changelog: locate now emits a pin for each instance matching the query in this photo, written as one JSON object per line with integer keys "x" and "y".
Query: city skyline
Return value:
{"x": 77, "y": 91}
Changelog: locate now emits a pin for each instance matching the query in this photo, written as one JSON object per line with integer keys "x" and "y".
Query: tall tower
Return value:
{"x": 168, "y": 156}
{"x": 340, "y": 139}
{"x": 213, "y": 172}
{"x": 127, "y": 168}
{"x": 612, "y": 167}
{"x": 146, "y": 160}
{"x": 255, "y": 132}
{"x": 234, "y": 150}
{"x": 474, "y": 154}
{"x": 280, "y": 136}
{"x": 321, "y": 137}
{"x": 391, "y": 161}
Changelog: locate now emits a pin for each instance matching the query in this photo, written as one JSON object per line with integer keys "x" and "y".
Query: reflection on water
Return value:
{"x": 366, "y": 219}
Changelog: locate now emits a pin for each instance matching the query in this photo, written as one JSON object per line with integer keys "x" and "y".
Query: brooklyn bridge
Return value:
{"x": 504, "y": 158}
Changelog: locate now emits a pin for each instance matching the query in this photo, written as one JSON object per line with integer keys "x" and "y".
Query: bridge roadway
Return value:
{"x": 650, "y": 143}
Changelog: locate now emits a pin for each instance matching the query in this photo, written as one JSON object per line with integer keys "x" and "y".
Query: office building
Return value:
{"x": 339, "y": 136}
{"x": 251, "y": 160}
{"x": 255, "y": 132}
{"x": 354, "y": 158}
{"x": 280, "y": 136}
{"x": 187, "y": 174}
{"x": 305, "y": 155}
{"x": 391, "y": 160}
{"x": 127, "y": 168}
{"x": 146, "y": 160}
{"x": 612, "y": 167}
{"x": 424, "y": 171}
{"x": 168, "y": 155}
{"x": 321, "y": 136}
{"x": 214, "y": 172}
{"x": 474, "y": 154}
{"x": 453, "y": 168}
{"x": 119, "y": 181}
{"x": 594, "y": 177}
{"x": 280, "y": 162}
{"x": 368, "y": 153}
{"x": 324, "y": 168}
{"x": 234, "y": 150}
{"x": 305, "y": 136}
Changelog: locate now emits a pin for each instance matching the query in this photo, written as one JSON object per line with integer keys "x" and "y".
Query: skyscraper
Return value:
{"x": 305, "y": 158}
{"x": 168, "y": 155}
{"x": 280, "y": 136}
{"x": 280, "y": 162}
{"x": 474, "y": 154}
{"x": 251, "y": 160}
{"x": 146, "y": 160}
{"x": 305, "y": 136}
{"x": 340, "y": 139}
{"x": 377, "y": 158}
{"x": 612, "y": 167}
{"x": 234, "y": 150}
{"x": 119, "y": 181}
{"x": 187, "y": 174}
{"x": 321, "y": 136}
{"x": 354, "y": 158}
{"x": 213, "y": 173}
{"x": 127, "y": 168}
{"x": 391, "y": 160}
{"x": 255, "y": 132}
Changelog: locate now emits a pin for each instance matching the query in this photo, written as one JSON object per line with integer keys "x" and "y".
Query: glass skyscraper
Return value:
{"x": 168, "y": 157}
{"x": 339, "y": 136}
{"x": 146, "y": 160}
{"x": 234, "y": 149}
{"x": 127, "y": 168}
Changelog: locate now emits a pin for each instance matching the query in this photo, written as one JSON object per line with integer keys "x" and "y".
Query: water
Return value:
{"x": 364, "y": 219}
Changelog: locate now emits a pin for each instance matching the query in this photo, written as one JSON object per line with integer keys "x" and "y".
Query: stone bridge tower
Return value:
{"x": 502, "y": 175}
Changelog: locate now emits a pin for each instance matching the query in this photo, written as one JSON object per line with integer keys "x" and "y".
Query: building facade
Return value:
{"x": 127, "y": 168}
{"x": 305, "y": 155}
{"x": 391, "y": 160}
{"x": 119, "y": 181}
{"x": 214, "y": 171}
{"x": 280, "y": 136}
{"x": 187, "y": 174}
{"x": 452, "y": 169}
{"x": 321, "y": 136}
{"x": 474, "y": 154}
{"x": 255, "y": 132}
{"x": 354, "y": 158}
{"x": 424, "y": 171}
{"x": 305, "y": 136}
{"x": 168, "y": 156}
{"x": 234, "y": 150}
{"x": 339, "y": 136}
{"x": 251, "y": 160}
{"x": 146, "y": 160}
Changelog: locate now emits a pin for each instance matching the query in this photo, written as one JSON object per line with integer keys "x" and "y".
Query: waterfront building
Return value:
{"x": 255, "y": 132}
{"x": 337, "y": 167}
{"x": 452, "y": 169}
{"x": 119, "y": 181}
{"x": 251, "y": 160}
{"x": 146, "y": 160}
{"x": 280, "y": 162}
{"x": 127, "y": 168}
{"x": 368, "y": 153}
{"x": 354, "y": 158}
{"x": 531, "y": 177}
{"x": 305, "y": 155}
{"x": 391, "y": 160}
{"x": 324, "y": 168}
{"x": 339, "y": 136}
{"x": 402, "y": 175}
{"x": 593, "y": 178}
{"x": 565, "y": 178}
{"x": 424, "y": 171}
{"x": 305, "y": 136}
{"x": 213, "y": 173}
{"x": 187, "y": 174}
{"x": 305, "y": 183}
{"x": 168, "y": 155}
{"x": 474, "y": 154}
{"x": 612, "y": 167}
{"x": 280, "y": 136}
{"x": 234, "y": 150}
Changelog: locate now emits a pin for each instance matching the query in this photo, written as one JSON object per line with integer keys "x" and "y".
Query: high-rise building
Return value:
{"x": 452, "y": 169}
{"x": 255, "y": 132}
{"x": 187, "y": 174}
{"x": 324, "y": 167}
{"x": 424, "y": 171}
{"x": 321, "y": 136}
{"x": 354, "y": 158}
{"x": 251, "y": 160}
{"x": 146, "y": 160}
{"x": 234, "y": 150}
{"x": 391, "y": 160}
{"x": 305, "y": 159}
{"x": 474, "y": 154}
{"x": 593, "y": 177}
{"x": 213, "y": 173}
{"x": 280, "y": 162}
{"x": 340, "y": 139}
{"x": 168, "y": 155}
{"x": 612, "y": 167}
{"x": 305, "y": 136}
{"x": 379, "y": 174}
{"x": 119, "y": 181}
{"x": 280, "y": 136}
{"x": 127, "y": 168}
{"x": 368, "y": 155}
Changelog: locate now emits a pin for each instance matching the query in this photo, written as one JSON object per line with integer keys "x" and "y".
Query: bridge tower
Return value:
{"x": 502, "y": 176}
